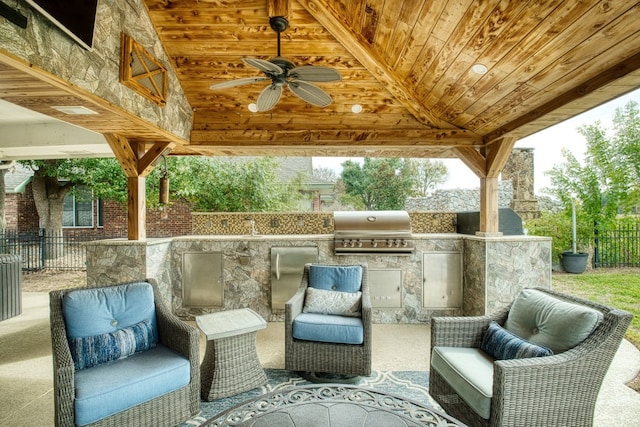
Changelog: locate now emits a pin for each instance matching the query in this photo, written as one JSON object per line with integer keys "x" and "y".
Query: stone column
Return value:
{"x": 497, "y": 268}
{"x": 519, "y": 169}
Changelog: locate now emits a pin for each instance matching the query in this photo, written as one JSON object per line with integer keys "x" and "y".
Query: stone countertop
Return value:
{"x": 301, "y": 237}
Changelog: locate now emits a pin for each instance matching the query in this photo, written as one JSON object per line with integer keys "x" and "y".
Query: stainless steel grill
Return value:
{"x": 372, "y": 232}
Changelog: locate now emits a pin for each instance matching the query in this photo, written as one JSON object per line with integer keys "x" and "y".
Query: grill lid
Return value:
{"x": 372, "y": 231}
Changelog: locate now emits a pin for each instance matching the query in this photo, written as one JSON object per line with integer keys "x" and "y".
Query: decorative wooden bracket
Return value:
{"x": 142, "y": 72}
{"x": 137, "y": 163}
{"x": 487, "y": 163}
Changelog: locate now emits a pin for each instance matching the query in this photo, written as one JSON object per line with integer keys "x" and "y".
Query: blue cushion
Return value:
{"x": 96, "y": 311}
{"x": 346, "y": 278}
{"x": 328, "y": 328}
{"x": 94, "y": 350}
{"x": 503, "y": 345}
{"x": 110, "y": 388}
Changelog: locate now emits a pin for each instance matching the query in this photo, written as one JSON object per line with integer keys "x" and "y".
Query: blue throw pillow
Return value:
{"x": 501, "y": 344}
{"x": 347, "y": 278}
{"x": 97, "y": 349}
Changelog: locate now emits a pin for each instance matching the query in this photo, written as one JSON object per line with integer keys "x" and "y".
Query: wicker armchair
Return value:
{"x": 326, "y": 357}
{"x": 166, "y": 410}
{"x": 553, "y": 390}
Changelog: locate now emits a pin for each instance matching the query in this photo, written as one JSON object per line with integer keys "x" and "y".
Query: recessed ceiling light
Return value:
{"x": 73, "y": 109}
{"x": 253, "y": 107}
{"x": 357, "y": 108}
{"x": 479, "y": 69}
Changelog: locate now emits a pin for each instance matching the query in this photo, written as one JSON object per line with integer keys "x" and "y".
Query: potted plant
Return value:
{"x": 573, "y": 261}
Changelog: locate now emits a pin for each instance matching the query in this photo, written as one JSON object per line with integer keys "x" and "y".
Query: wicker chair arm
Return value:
{"x": 178, "y": 335}
{"x": 63, "y": 367}
{"x": 458, "y": 331}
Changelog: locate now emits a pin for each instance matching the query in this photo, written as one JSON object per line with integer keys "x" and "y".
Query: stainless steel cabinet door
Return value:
{"x": 202, "y": 279}
{"x": 442, "y": 280}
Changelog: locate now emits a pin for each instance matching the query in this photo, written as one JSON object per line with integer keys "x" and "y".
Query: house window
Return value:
{"x": 79, "y": 208}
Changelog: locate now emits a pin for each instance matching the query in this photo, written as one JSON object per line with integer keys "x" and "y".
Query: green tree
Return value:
{"x": 607, "y": 182}
{"x": 429, "y": 175}
{"x": 54, "y": 178}
{"x": 378, "y": 184}
{"x": 202, "y": 182}
{"x": 230, "y": 186}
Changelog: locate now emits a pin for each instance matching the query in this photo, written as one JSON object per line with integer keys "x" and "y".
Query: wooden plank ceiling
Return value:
{"x": 408, "y": 63}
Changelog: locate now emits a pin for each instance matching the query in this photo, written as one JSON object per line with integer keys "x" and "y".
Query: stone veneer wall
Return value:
{"x": 497, "y": 268}
{"x": 97, "y": 70}
{"x": 494, "y": 269}
{"x": 280, "y": 223}
{"x": 458, "y": 199}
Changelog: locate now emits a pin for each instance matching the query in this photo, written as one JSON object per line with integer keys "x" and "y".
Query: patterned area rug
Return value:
{"x": 412, "y": 385}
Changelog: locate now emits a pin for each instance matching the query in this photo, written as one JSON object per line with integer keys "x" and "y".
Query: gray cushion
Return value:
{"x": 469, "y": 371}
{"x": 332, "y": 302}
{"x": 501, "y": 344}
{"x": 549, "y": 321}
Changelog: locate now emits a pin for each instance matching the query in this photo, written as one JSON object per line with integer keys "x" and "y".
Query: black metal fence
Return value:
{"x": 618, "y": 247}
{"x": 39, "y": 251}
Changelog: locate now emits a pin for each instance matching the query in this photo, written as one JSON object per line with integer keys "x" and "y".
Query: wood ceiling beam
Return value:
{"x": 321, "y": 11}
{"x": 384, "y": 137}
{"x": 611, "y": 74}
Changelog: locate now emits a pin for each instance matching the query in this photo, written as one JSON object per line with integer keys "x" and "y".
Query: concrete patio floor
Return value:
{"x": 26, "y": 394}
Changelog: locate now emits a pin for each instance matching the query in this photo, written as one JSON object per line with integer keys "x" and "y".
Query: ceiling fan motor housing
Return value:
{"x": 278, "y": 23}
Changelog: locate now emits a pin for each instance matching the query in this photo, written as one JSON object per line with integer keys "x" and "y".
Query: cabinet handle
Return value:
{"x": 278, "y": 266}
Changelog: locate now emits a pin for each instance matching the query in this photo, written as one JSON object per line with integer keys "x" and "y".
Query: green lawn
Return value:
{"x": 618, "y": 288}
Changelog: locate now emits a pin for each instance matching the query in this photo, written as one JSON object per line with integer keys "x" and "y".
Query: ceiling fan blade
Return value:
{"x": 314, "y": 73}
{"x": 310, "y": 93}
{"x": 263, "y": 65}
{"x": 238, "y": 82}
{"x": 269, "y": 97}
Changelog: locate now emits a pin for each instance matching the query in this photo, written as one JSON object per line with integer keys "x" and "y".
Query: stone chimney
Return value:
{"x": 519, "y": 169}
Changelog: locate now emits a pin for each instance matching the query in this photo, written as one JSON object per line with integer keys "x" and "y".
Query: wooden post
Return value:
{"x": 489, "y": 218}
{"x": 137, "y": 162}
{"x": 136, "y": 211}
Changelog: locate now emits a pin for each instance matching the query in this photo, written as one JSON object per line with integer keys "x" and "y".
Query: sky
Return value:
{"x": 547, "y": 145}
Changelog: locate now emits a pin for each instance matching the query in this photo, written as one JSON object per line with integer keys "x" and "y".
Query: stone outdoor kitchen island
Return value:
{"x": 493, "y": 271}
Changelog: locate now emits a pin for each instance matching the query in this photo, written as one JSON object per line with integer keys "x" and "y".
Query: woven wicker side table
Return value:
{"x": 231, "y": 363}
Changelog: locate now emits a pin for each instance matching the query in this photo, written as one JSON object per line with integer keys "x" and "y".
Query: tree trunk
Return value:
{"x": 48, "y": 195}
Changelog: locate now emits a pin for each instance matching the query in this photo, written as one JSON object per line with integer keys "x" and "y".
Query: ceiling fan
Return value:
{"x": 283, "y": 72}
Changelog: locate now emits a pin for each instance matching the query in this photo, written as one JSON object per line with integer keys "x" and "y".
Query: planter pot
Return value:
{"x": 574, "y": 263}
